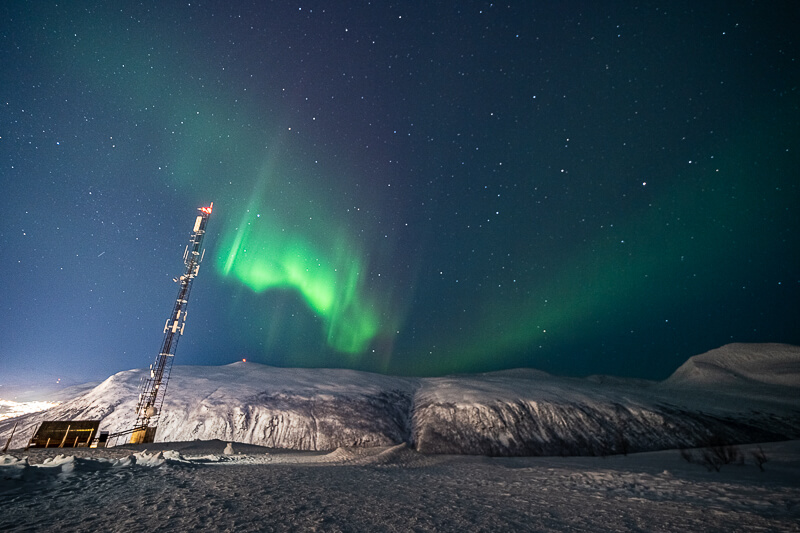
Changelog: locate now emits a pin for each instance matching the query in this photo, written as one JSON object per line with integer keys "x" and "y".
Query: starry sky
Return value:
{"x": 411, "y": 188}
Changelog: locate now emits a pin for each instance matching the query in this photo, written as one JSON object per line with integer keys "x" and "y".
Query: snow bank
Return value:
{"x": 15, "y": 471}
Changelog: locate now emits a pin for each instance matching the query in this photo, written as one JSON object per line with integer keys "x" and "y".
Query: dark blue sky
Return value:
{"x": 581, "y": 187}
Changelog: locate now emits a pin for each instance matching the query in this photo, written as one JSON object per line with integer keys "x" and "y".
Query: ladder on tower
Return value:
{"x": 154, "y": 387}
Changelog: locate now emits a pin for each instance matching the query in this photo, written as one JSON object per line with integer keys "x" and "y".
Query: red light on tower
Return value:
{"x": 207, "y": 210}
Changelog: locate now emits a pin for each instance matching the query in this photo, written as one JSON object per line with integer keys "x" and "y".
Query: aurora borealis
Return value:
{"x": 320, "y": 263}
{"x": 401, "y": 188}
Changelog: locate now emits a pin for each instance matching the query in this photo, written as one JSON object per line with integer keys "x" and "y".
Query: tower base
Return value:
{"x": 143, "y": 435}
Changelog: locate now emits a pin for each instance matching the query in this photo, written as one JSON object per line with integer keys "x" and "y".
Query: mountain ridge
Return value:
{"x": 524, "y": 412}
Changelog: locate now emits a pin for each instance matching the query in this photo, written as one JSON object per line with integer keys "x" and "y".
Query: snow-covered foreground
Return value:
{"x": 194, "y": 485}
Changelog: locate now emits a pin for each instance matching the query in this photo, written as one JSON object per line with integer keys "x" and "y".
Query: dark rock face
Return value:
{"x": 379, "y": 419}
{"x": 520, "y": 429}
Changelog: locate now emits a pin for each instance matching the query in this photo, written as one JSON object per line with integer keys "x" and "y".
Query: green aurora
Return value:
{"x": 415, "y": 194}
{"x": 283, "y": 247}
{"x": 683, "y": 247}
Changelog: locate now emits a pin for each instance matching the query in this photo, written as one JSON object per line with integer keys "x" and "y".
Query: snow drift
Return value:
{"x": 738, "y": 393}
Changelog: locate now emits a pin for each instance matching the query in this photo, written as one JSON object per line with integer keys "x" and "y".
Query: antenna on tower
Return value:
{"x": 154, "y": 388}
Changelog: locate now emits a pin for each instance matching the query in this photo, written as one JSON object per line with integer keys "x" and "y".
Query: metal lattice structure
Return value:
{"x": 154, "y": 388}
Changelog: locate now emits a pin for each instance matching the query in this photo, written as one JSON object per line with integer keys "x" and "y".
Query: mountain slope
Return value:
{"x": 515, "y": 412}
{"x": 740, "y": 364}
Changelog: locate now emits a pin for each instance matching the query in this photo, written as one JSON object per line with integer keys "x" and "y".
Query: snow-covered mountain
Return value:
{"x": 741, "y": 364}
{"x": 737, "y": 393}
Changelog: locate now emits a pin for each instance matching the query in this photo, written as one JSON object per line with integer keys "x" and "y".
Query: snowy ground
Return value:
{"x": 194, "y": 485}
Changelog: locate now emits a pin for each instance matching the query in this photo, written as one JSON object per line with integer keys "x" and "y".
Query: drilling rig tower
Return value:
{"x": 154, "y": 387}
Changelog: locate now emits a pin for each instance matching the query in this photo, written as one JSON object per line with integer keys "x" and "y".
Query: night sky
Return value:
{"x": 413, "y": 188}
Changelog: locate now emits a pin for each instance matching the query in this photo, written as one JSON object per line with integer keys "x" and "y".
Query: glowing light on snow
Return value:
{"x": 11, "y": 409}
